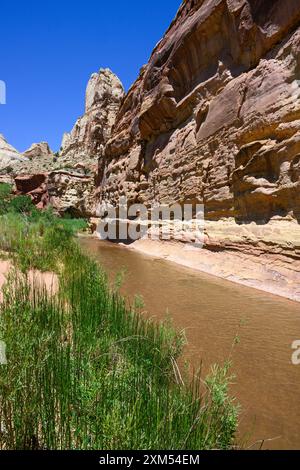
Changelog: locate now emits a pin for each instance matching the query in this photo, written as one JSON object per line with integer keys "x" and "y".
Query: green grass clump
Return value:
{"x": 32, "y": 237}
{"x": 86, "y": 372}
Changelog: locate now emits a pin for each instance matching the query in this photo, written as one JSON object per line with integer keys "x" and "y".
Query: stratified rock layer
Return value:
{"x": 215, "y": 115}
{"x": 71, "y": 186}
{"x": 214, "y": 118}
{"x": 72, "y": 193}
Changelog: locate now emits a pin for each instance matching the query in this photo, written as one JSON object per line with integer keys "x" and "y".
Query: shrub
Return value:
{"x": 22, "y": 205}
{"x": 5, "y": 196}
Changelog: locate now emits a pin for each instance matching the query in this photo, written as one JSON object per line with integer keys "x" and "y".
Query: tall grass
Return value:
{"x": 85, "y": 372}
{"x": 36, "y": 240}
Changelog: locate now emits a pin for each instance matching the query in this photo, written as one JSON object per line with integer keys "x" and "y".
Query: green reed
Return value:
{"x": 84, "y": 371}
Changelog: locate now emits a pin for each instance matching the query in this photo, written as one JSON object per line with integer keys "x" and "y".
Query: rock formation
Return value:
{"x": 67, "y": 180}
{"x": 9, "y": 156}
{"x": 104, "y": 95}
{"x": 34, "y": 186}
{"x": 38, "y": 150}
{"x": 71, "y": 188}
{"x": 72, "y": 192}
{"x": 214, "y": 118}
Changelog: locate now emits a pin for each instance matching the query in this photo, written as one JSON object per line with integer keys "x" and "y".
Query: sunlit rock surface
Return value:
{"x": 214, "y": 118}
{"x": 9, "y": 156}
{"x": 104, "y": 94}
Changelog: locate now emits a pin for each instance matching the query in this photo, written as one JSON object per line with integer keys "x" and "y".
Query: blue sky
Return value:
{"x": 49, "y": 50}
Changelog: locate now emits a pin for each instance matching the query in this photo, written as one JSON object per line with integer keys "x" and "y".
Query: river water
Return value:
{"x": 212, "y": 312}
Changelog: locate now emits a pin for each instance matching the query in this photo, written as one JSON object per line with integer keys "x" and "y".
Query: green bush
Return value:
{"x": 21, "y": 205}
{"x": 37, "y": 240}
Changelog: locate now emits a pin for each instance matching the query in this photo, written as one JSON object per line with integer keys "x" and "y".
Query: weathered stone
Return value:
{"x": 224, "y": 76}
{"x": 38, "y": 150}
{"x": 214, "y": 118}
{"x": 71, "y": 186}
{"x": 71, "y": 193}
{"x": 34, "y": 186}
{"x": 9, "y": 156}
{"x": 104, "y": 94}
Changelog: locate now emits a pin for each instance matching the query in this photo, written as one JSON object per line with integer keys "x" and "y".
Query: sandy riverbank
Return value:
{"x": 46, "y": 280}
{"x": 265, "y": 257}
{"x": 257, "y": 272}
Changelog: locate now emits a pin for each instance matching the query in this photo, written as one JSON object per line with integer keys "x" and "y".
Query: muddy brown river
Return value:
{"x": 212, "y": 312}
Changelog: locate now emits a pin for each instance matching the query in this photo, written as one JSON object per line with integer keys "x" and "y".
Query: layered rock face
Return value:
{"x": 104, "y": 94}
{"x": 72, "y": 192}
{"x": 9, "y": 156}
{"x": 214, "y": 118}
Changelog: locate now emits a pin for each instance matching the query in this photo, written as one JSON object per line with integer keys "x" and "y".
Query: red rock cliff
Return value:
{"x": 214, "y": 117}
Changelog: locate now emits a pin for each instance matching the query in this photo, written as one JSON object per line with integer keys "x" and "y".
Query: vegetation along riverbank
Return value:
{"x": 83, "y": 370}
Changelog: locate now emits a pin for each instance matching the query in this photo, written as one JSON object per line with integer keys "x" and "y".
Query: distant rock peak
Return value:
{"x": 104, "y": 95}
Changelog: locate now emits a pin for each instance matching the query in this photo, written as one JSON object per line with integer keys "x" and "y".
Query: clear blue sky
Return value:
{"x": 50, "y": 48}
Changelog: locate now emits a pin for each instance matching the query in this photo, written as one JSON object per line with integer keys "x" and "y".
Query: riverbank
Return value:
{"x": 84, "y": 370}
{"x": 213, "y": 312}
{"x": 42, "y": 280}
{"x": 262, "y": 257}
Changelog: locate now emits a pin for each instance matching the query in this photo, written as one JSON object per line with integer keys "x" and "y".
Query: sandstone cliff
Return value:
{"x": 71, "y": 188}
{"x": 67, "y": 180}
{"x": 104, "y": 94}
{"x": 214, "y": 118}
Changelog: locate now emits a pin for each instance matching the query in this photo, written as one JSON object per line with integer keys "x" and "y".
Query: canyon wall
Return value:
{"x": 215, "y": 115}
{"x": 214, "y": 118}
